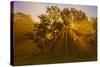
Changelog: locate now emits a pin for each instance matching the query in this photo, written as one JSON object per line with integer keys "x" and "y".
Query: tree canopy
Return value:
{"x": 56, "y": 20}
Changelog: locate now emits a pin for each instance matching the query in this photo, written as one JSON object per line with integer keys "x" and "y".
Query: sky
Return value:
{"x": 36, "y": 8}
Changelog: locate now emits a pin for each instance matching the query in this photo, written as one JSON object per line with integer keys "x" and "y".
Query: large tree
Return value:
{"x": 56, "y": 27}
